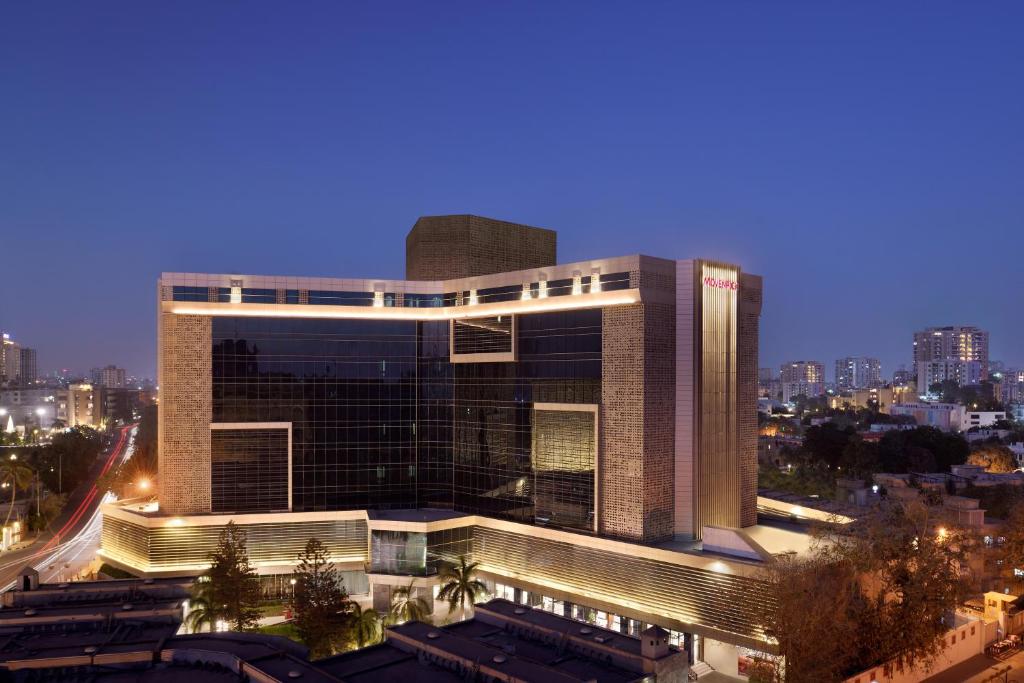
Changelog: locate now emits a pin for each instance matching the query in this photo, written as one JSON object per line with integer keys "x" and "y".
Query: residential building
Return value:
{"x": 945, "y": 416}
{"x": 111, "y": 376}
{"x": 958, "y": 353}
{"x": 32, "y": 407}
{"x": 981, "y": 418}
{"x": 565, "y": 425}
{"x": 802, "y": 378}
{"x": 768, "y": 384}
{"x": 950, "y": 417}
{"x": 84, "y": 407}
{"x": 858, "y": 372}
{"x": 964, "y": 373}
{"x": 1012, "y": 386}
{"x": 877, "y": 398}
{"x": 28, "y": 370}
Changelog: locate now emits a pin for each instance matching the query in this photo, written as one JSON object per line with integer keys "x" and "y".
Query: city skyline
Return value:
{"x": 342, "y": 126}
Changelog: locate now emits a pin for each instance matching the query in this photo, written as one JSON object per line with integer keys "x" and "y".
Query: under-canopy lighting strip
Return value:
{"x": 593, "y": 300}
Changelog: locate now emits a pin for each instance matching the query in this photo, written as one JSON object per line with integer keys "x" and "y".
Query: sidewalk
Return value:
{"x": 981, "y": 668}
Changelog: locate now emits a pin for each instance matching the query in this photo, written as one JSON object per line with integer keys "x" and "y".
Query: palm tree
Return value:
{"x": 201, "y": 609}
{"x": 407, "y": 606}
{"x": 459, "y": 586}
{"x": 15, "y": 475}
{"x": 365, "y": 625}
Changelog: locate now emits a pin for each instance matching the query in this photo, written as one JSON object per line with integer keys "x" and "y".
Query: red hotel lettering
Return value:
{"x": 718, "y": 283}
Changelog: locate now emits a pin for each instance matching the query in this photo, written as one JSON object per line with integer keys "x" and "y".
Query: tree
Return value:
{"x": 407, "y": 606}
{"x": 459, "y": 586}
{"x": 319, "y": 601}
{"x": 234, "y": 586}
{"x": 365, "y": 625}
{"x": 993, "y": 457}
{"x": 896, "y": 454}
{"x": 860, "y": 458}
{"x": 811, "y": 619}
{"x": 825, "y": 443}
{"x": 16, "y": 475}
{"x": 1013, "y": 538}
{"x": 912, "y": 574}
{"x": 877, "y": 592}
{"x": 202, "y": 610}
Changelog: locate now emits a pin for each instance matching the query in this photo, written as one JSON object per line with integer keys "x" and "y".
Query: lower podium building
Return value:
{"x": 586, "y": 431}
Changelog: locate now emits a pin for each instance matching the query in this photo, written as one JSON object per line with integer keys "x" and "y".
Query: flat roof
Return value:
{"x": 41, "y": 612}
{"x": 371, "y": 663}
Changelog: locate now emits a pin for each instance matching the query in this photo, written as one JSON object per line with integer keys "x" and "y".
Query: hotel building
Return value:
{"x": 586, "y": 431}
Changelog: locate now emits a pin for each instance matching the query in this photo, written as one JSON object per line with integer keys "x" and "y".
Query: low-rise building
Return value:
{"x": 876, "y": 398}
{"x": 945, "y": 416}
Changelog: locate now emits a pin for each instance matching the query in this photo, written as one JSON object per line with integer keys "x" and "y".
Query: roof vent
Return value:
{"x": 586, "y": 630}
{"x": 148, "y": 581}
{"x": 499, "y": 659}
{"x": 294, "y": 674}
{"x": 433, "y": 634}
{"x": 62, "y": 585}
{"x": 30, "y": 613}
{"x": 127, "y": 607}
{"x": 520, "y": 610}
{"x": 600, "y": 639}
{"x": 91, "y": 650}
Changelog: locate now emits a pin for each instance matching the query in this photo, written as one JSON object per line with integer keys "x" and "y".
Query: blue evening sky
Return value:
{"x": 865, "y": 157}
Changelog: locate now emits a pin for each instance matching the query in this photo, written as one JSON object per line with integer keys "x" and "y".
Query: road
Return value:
{"x": 72, "y": 542}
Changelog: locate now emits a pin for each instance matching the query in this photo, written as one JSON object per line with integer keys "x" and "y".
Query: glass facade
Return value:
{"x": 348, "y": 387}
{"x": 382, "y": 419}
{"x": 495, "y": 473}
{"x": 406, "y": 553}
{"x": 249, "y": 470}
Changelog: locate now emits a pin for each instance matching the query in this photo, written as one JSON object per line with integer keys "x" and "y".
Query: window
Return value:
{"x": 483, "y": 335}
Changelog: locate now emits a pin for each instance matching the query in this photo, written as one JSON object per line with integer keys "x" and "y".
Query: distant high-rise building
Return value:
{"x": 958, "y": 353}
{"x": 111, "y": 377}
{"x": 802, "y": 378}
{"x": 1012, "y": 387}
{"x": 858, "y": 372}
{"x": 28, "y": 370}
{"x": 10, "y": 359}
{"x": 902, "y": 377}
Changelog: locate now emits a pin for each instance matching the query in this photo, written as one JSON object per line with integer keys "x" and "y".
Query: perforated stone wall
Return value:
{"x": 185, "y": 413}
{"x": 637, "y": 422}
{"x": 747, "y": 324}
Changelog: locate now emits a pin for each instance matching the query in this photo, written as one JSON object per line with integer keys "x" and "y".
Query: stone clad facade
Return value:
{"x": 452, "y": 247}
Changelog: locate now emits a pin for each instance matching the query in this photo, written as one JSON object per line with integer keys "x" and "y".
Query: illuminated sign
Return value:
{"x": 721, "y": 283}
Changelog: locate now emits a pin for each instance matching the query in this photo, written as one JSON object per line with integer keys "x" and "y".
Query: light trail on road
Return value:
{"x": 56, "y": 554}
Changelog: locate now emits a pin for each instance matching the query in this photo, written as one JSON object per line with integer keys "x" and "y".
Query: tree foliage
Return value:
{"x": 406, "y": 605}
{"x": 234, "y": 587}
{"x": 813, "y": 601}
{"x": 460, "y": 587}
{"x": 877, "y": 592}
{"x": 994, "y": 457}
{"x": 319, "y": 601}
{"x": 914, "y": 450}
{"x": 366, "y": 627}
